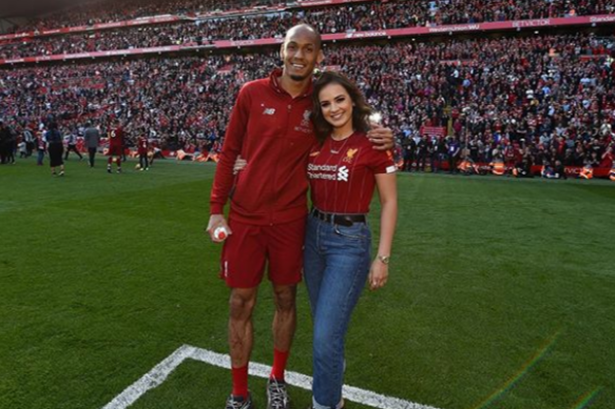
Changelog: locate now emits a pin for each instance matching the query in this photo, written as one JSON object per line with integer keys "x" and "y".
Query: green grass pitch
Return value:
{"x": 501, "y": 295}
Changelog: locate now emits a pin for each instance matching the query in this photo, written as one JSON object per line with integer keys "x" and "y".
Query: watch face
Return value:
{"x": 384, "y": 259}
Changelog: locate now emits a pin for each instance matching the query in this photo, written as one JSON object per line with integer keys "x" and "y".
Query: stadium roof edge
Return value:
{"x": 27, "y": 9}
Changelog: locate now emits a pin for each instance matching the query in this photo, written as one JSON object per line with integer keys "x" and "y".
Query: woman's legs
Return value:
{"x": 313, "y": 262}
{"x": 336, "y": 268}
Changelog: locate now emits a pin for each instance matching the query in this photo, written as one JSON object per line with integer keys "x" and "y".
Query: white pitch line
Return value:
{"x": 161, "y": 371}
{"x": 150, "y": 380}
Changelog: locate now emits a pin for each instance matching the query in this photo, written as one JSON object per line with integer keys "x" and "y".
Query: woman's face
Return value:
{"x": 336, "y": 106}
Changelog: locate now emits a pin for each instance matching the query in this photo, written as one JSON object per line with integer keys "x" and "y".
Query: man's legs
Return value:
{"x": 118, "y": 161}
{"x": 284, "y": 249}
{"x": 92, "y": 154}
{"x": 74, "y": 148}
{"x": 240, "y": 336}
{"x": 284, "y": 325}
{"x": 143, "y": 162}
{"x": 242, "y": 265}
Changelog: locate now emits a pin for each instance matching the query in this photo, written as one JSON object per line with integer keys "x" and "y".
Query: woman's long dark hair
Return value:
{"x": 360, "y": 111}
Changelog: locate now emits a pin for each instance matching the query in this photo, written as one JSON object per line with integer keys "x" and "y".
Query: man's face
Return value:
{"x": 300, "y": 53}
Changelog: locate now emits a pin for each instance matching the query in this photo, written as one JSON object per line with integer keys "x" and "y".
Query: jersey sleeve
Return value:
{"x": 233, "y": 142}
{"x": 382, "y": 162}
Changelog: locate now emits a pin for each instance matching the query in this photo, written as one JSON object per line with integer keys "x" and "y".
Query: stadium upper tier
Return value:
{"x": 356, "y": 17}
{"x": 539, "y": 88}
{"x": 105, "y": 11}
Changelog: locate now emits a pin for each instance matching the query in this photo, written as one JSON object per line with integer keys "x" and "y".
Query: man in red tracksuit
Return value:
{"x": 270, "y": 127}
{"x": 116, "y": 146}
{"x": 143, "y": 150}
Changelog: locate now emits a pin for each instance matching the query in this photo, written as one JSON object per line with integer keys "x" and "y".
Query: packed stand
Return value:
{"x": 535, "y": 100}
{"x": 188, "y": 103}
{"x": 354, "y": 17}
{"x": 105, "y": 11}
{"x": 193, "y": 33}
{"x": 395, "y": 13}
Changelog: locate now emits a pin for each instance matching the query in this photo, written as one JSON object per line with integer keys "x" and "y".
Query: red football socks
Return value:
{"x": 240, "y": 381}
{"x": 279, "y": 364}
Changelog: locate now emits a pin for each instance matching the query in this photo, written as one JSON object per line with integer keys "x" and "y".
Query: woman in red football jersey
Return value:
{"x": 343, "y": 172}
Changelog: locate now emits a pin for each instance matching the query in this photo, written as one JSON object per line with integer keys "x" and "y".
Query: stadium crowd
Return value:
{"x": 394, "y": 13}
{"x": 332, "y": 19}
{"x": 550, "y": 98}
{"x": 91, "y": 13}
{"x": 188, "y": 102}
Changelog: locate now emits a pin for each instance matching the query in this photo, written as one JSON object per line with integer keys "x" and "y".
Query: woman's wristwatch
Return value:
{"x": 384, "y": 259}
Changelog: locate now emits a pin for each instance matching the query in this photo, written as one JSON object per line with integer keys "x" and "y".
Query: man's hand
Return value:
{"x": 240, "y": 164}
{"x": 215, "y": 221}
{"x": 382, "y": 138}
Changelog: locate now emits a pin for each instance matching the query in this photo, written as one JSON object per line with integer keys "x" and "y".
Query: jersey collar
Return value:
{"x": 274, "y": 81}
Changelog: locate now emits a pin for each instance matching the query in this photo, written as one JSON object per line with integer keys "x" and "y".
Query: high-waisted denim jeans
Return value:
{"x": 336, "y": 266}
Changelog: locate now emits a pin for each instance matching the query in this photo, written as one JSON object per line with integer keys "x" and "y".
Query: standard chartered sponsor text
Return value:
{"x": 325, "y": 176}
{"x": 322, "y": 168}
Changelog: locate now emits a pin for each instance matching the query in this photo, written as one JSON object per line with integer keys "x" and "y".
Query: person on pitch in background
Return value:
{"x": 142, "y": 150}
{"x": 72, "y": 145}
{"x": 271, "y": 127}
{"x": 55, "y": 147}
{"x": 91, "y": 139}
{"x": 116, "y": 146}
{"x": 5, "y": 136}
{"x": 41, "y": 148}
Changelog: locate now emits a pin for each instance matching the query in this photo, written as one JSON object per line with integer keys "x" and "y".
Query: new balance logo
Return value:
{"x": 269, "y": 111}
{"x": 342, "y": 174}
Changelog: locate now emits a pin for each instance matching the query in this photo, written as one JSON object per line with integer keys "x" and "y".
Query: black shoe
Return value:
{"x": 108, "y": 169}
{"x": 238, "y": 402}
{"x": 277, "y": 396}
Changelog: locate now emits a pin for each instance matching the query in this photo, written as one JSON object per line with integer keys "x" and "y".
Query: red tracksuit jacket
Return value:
{"x": 274, "y": 133}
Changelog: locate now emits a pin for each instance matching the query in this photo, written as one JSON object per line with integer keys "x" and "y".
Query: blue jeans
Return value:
{"x": 336, "y": 264}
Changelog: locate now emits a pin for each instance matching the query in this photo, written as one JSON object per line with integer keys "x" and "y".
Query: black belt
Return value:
{"x": 341, "y": 219}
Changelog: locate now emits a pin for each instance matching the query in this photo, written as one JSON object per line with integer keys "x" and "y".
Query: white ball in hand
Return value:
{"x": 220, "y": 233}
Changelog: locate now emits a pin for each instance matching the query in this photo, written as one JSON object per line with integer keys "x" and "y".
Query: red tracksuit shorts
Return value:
{"x": 250, "y": 248}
